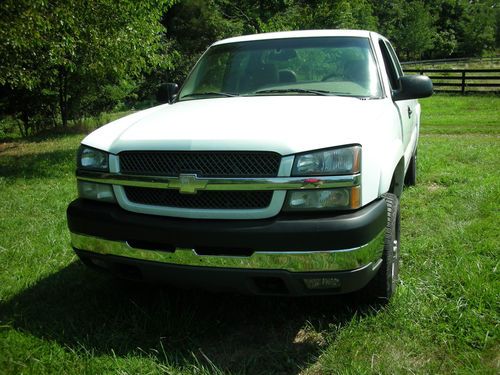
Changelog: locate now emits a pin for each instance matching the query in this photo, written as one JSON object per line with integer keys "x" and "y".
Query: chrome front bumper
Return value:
{"x": 293, "y": 261}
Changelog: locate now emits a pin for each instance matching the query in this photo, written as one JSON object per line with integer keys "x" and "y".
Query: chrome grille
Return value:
{"x": 203, "y": 163}
{"x": 201, "y": 200}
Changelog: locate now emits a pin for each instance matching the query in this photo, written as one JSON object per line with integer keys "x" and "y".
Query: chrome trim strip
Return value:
{"x": 260, "y": 183}
{"x": 301, "y": 261}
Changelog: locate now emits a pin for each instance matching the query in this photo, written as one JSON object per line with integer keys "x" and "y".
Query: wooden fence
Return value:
{"x": 456, "y": 61}
{"x": 462, "y": 80}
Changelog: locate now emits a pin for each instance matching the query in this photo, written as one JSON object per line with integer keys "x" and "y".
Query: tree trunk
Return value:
{"x": 24, "y": 125}
{"x": 63, "y": 97}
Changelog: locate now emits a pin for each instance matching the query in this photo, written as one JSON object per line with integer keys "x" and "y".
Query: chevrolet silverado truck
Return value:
{"x": 276, "y": 169}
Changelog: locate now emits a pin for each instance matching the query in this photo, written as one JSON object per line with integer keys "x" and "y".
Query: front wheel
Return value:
{"x": 383, "y": 285}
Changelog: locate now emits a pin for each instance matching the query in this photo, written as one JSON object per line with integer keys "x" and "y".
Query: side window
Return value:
{"x": 392, "y": 69}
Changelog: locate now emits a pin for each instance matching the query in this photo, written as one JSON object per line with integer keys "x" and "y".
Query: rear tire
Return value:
{"x": 383, "y": 285}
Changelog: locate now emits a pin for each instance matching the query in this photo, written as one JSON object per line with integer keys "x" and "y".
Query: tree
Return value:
{"x": 408, "y": 24}
{"x": 192, "y": 25}
{"x": 464, "y": 27}
{"x": 70, "y": 52}
{"x": 323, "y": 14}
{"x": 477, "y": 27}
{"x": 417, "y": 32}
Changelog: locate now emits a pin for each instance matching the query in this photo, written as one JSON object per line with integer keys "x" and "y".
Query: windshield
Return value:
{"x": 294, "y": 66}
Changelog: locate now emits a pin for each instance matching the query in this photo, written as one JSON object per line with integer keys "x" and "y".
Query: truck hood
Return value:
{"x": 284, "y": 124}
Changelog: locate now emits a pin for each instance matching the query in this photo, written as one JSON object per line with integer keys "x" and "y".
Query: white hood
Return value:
{"x": 284, "y": 124}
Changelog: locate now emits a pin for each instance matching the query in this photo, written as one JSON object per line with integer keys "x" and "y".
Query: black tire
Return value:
{"x": 411, "y": 173}
{"x": 383, "y": 285}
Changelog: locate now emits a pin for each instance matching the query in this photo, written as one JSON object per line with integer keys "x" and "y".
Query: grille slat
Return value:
{"x": 203, "y": 199}
{"x": 203, "y": 163}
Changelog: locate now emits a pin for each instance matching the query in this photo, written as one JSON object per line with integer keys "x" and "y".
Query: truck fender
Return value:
{"x": 393, "y": 170}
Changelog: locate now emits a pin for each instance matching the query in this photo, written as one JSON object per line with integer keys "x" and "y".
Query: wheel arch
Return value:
{"x": 392, "y": 176}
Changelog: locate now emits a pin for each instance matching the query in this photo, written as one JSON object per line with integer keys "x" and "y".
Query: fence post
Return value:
{"x": 463, "y": 82}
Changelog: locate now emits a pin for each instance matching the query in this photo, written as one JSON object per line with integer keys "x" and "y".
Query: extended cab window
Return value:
{"x": 326, "y": 65}
{"x": 391, "y": 62}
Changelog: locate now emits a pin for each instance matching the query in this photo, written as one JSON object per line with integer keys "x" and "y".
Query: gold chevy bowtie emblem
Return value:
{"x": 189, "y": 184}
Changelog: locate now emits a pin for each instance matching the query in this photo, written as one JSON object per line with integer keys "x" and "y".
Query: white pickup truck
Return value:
{"x": 276, "y": 168}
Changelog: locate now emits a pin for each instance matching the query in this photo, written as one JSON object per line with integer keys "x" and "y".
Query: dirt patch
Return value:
{"x": 433, "y": 187}
{"x": 306, "y": 336}
{"x": 7, "y": 146}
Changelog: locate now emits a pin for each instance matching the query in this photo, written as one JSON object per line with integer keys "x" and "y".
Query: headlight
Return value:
{"x": 90, "y": 158}
{"x": 337, "y": 161}
{"x": 95, "y": 160}
{"x": 95, "y": 191}
{"x": 323, "y": 199}
{"x": 330, "y": 162}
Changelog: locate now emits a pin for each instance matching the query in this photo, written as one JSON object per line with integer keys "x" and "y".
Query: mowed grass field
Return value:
{"x": 57, "y": 317}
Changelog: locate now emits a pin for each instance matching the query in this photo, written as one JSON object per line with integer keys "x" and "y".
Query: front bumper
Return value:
{"x": 345, "y": 248}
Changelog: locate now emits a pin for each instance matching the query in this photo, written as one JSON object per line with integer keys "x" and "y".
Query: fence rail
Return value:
{"x": 491, "y": 59}
{"x": 462, "y": 80}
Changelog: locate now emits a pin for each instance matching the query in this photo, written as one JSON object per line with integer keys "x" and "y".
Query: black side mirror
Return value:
{"x": 166, "y": 92}
{"x": 413, "y": 87}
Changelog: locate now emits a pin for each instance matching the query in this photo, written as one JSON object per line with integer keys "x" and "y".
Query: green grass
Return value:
{"x": 58, "y": 317}
{"x": 9, "y": 127}
{"x": 444, "y": 114}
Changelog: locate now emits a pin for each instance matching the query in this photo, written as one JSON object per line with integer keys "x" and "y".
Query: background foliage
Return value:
{"x": 66, "y": 60}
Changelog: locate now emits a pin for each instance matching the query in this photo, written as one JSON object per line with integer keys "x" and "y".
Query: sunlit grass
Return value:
{"x": 461, "y": 114}
{"x": 58, "y": 317}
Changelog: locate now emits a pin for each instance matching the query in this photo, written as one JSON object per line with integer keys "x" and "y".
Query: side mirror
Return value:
{"x": 166, "y": 92}
{"x": 413, "y": 87}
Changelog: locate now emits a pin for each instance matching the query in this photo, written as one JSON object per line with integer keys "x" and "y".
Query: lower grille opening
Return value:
{"x": 202, "y": 199}
{"x": 271, "y": 285}
{"x": 223, "y": 252}
{"x": 322, "y": 284}
{"x": 146, "y": 245}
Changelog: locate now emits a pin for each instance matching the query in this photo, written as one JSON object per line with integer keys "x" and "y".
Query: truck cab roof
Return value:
{"x": 296, "y": 34}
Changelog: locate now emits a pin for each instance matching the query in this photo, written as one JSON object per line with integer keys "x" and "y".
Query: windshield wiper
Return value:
{"x": 314, "y": 92}
{"x": 301, "y": 91}
{"x": 207, "y": 93}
